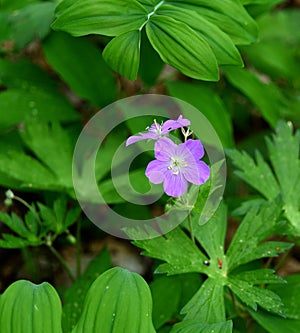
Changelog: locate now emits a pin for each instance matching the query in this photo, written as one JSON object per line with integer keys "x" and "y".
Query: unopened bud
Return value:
{"x": 9, "y": 194}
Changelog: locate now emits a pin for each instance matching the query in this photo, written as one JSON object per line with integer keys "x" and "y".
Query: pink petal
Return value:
{"x": 171, "y": 125}
{"x": 142, "y": 136}
{"x": 164, "y": 149}
{"x": 155, "y": 171}
{"x": 175, "y": 185}
{"x": 197, "y": 173}
{"x": 194, "y": 147}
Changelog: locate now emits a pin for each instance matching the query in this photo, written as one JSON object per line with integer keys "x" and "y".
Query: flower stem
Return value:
{"x": 78, "y": 249}
{"x": 26, "y": 204}
{"x": 191, "y": 227}
{"x": 62, "y": 262}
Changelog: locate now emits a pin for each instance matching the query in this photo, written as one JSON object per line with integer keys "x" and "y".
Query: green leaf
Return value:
{"x": 127, "y": 43}
{"x": 265, "y": 96}
{"x": 170, "y": 294}
{"x": 51, "y": 144}
{"x": 166, "y": 292}
{"x": 26, "y": 307}
{"x": 259, "y": 175}
{"x": 15, "y": 223}
{"x": 207, "y": 305}
{"x": 253, "y": 296}
{"x": 184, "y": 259}
{"x": 149, "y": 74}
{"x": 22, "y": 170}
{"x": 229, "y": 15}
{"x": 225, "y": 51}
{"x": 181, "y": 47}
{"x": 193, "y": 326}
{"x": 30, "y": 22}
{"x": 58, "y": 218}
{"x": 75, "y": 295}
{"x": 23, "y": 105}
{"x": 216, "y": 226}
{"x": 260, "y": 276}
{"x": 102, "y": 17}
{"x": 289, "y": 294}
{"x": 255, "y": 228}
{"x": 284, "y": 156}
{"x": 274, "y": 324}
{"x": 12, "y": 242}
{"x": 15, "y": 4}
{"x": 209, "y": 103}
{"x": 123, "y": 304}
{"x": 74, "y": 66}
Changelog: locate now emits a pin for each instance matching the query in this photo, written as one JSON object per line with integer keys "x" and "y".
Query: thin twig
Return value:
{"x": 62, "y": 262}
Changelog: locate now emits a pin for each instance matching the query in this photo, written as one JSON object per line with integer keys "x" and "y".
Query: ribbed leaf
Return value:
{"x": 181, "y": 47}
{"x": 26, "y": 307}
{"x": 118, "y": 301}
{"x": 99, "y": 17}
{"x": 75, "y": 295}
{"x": 221, "y": 44}
{"x": 229, "y": 15}
{"x": 127, "y": 44}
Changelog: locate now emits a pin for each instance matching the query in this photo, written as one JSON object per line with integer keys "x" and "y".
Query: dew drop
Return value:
{"x": 34, "y": 112}
{"x": 31, "y": 104}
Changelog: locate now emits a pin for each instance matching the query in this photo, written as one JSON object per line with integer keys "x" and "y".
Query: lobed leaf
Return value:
{"x": 207, "y": 305}
{"x": 253, "y": 296}
{"x": 184, "y": 259}
{"x": 193, "y": 326}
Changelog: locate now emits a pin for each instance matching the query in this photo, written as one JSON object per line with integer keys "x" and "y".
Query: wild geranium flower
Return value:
{"x": 177, "y": 165}
{"x": 157, "y": 131}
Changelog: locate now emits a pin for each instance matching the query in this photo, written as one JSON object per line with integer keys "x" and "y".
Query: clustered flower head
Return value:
{"x": 175, "y": 165}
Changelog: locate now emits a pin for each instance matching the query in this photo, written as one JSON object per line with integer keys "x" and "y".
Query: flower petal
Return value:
{"x": 174, "y": 185}
{"x": 195, "y": 147}
{"x": 142, "y": 136}
{"x": 155, "y": 171}
{"x": 171, "y": 125}
{"x": 164, "y": 149}
{"x": 196, "y": 173}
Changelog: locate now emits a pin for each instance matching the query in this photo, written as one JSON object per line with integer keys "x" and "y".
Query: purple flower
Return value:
{"x": 156, "y": 131}
{"x": 176, "y": 165}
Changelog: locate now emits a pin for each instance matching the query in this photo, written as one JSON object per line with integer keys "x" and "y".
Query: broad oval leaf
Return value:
{"x": 74, "y": 66}
{"x": 99, "y": 17}
{"x": 229, "y": 15}
{"x": 27, "y": 307}
{"x": 127, "y": 44}
{"x": 221, "y": 44}
{"x": 118, "y": 301}
{"x": 181, "y": 47}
